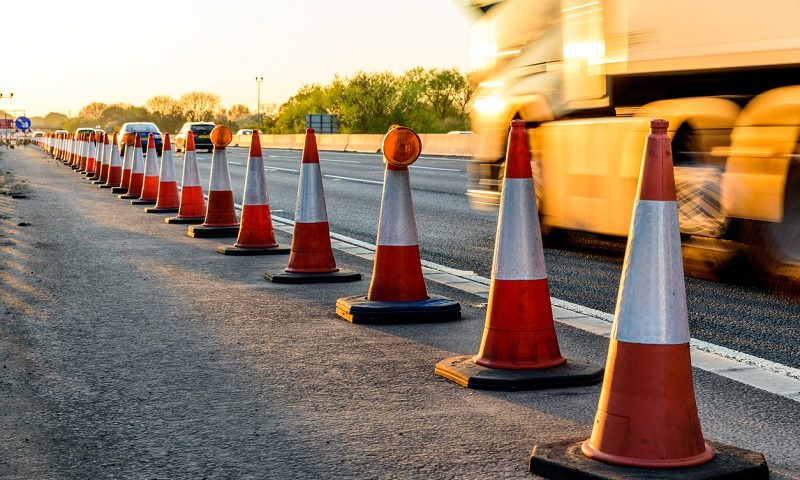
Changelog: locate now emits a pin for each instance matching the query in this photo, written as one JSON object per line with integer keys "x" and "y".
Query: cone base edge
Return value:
{"x": 339, "y": 276}
{"x": 239, "y": 251}
{"x": 143, "y": 202}
{"x": 463, "y": 370}
{"x": 565, "y": 460}
{"x": 436, "y": 308}
{"x": 161, "y": 210}
{"x": 184, "y": 221}
{"x": 204, "y": 231}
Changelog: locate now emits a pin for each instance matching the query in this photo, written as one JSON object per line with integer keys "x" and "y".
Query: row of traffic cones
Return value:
{"x": 647, "y": 415}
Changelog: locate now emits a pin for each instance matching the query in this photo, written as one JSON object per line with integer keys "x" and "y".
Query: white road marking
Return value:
{"x": 361, "y": 180}
{"x": 283, "y": 156}
{"x": 436, "y": 168}
{"x": 338, "y": 161}
{"x": 282, "y": 169}
{"x": 235, "y": 163}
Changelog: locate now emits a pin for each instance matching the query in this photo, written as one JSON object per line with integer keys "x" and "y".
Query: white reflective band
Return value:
{"x": 220, "y": 178}
{"x": 191, "y": 174}
{"x": 518, "y": 253}
{"x": 151, "y": 163}
{"x": 167, "y": 173}
{"x": 127, "y": 159}
{"x": 107, "y": 153}
{"x": 396, "y": 226}
{"x": 115, "y": 160}
{"x": 651, "y": 305}
{"x": 255, "y": 183}
{"x": 310, "y": 207}
{"x": 138, "y": 161}
{"x": 99, "y": 154}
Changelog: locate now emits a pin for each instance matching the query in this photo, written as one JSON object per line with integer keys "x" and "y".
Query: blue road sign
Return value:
{"x": 23, "y": 123}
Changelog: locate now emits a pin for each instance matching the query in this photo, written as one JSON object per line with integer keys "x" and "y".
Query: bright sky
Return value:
{"x": 115, "y": 51}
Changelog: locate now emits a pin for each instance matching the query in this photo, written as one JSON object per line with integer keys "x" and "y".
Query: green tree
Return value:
{"x": 92, "y": 111}
{"x": 165, "y": 112}
{"x": 199, "y": 106}
{"x": 291, "y": 115}
{"x": 54, "y": 119}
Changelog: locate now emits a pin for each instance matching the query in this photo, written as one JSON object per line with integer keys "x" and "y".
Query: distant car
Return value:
{"x": 38, "y": 134}
{"x": 248, "y": 131}
{"x": 143, "y": 129}
{"x": 202, "y": 136}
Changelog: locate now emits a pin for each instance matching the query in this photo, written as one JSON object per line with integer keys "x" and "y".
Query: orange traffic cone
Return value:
{"x": 647, "y": 414}
{"x": 114, "y": 167}
{"x": 519, "y": 349}
{"x": 193, "y": 205}
{"x": 80, "y": 153}
{"x": 129, "y": 140}
{"x": 311, "y": 260}
{"x": 136, "y": 177}
{"x": 167, "y": 197}
{"x": 150, "y": 182}
{"x": 397, "y": 292}
{"x": 256, "y": 236}
{"x": 104, "y": 162}
{"x": 94, "y": 174}
{"x": 91, "y": 155}
{"x": 221, "y": 218}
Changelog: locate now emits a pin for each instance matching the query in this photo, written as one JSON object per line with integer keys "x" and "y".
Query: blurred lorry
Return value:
{"x": 587, "y": 76}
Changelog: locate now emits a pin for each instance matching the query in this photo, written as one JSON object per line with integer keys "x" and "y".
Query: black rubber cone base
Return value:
{"x": 161, "y": 210}
{"x": 127, "y": 196}
{"x": 184, "y": 220}
{"x": 566, "y": 461}
{"x": 139, "y": 201}
{"x": 119, "y": 189}
{"x": 204, "y": 231}
{"x": 433, "y": 309}
{"x": 339, "y": 276}
{"x": 104, "y": 185}
{"x": 98, "y": 182}
{"x": 464, "y": 371}
{"x": 238, "y": 251}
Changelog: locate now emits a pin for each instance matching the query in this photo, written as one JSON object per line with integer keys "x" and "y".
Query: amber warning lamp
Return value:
{"x": 221, "y": 136}
{"x": 401, "y": 146}
{"x": 127, "y": 139}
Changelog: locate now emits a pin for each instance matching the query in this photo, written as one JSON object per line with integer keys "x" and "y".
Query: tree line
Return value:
{"x": 427, "y": 100}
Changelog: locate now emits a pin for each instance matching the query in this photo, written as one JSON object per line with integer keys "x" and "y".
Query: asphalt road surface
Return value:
{"x": 745, "y": 318}
{"x": 130, "y": 350}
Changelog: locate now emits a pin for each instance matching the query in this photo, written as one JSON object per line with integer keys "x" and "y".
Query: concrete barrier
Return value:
{"x": 240, "y": 140}
{"x": 364, "y": 143}
{"x": 283, "y": 141}
{"x": 449, "y": 144}
{"x": 332, "y": 142}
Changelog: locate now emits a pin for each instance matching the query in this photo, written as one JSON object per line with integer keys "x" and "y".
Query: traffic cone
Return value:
{"x": 397, "y": 292}
{"x": 647, "y": 415}
{"x": 73, "y": 154}
{"x": 94, "y": 174}
{"x": 127, "y": 163}
{"x": 150, "y": 181}
{"x": 80, "y": 152}
{"x": 114, "y": 167}
{"x": 136, "y": 178}
{"x": 91, "y": 155}
{"x": 192, "y": 207}
{"x": 105, "y": 162}
{"x": 256, "y": 236}
{"x": 519, "y": 349}
{"x": 86, "y": 147}
{"x": 167, "y": 197}
{"x": 221, "y": 218}
{"x": 311, "y": 260}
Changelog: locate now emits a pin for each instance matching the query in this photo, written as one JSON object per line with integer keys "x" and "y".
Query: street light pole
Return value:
{"x": 258, "y": 105}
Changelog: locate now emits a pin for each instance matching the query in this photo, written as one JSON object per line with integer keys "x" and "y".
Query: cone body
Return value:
{"x": 311, "y": 242}
{"x": 255, "y": 230}
{"x": 150, "y": 182}
{"x": 137, "y": 171}
{"x": 91, "y": 156}
{"x": 98, "y": 157}
{"x": 114, "y": 166}
{"x": 397, "y": 271}
{"x": 127, "y": 165}
{"x": 647, "y": 414}
{"x": 104, "y": 166}
{"x": 220, "y": 211}
{"x": 192, "y": 204}
{"x": 519, "y": 332}
{"x": 167, "y": 186}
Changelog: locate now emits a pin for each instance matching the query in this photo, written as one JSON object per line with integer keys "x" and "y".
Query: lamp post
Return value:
{"x": 258, "y": 104}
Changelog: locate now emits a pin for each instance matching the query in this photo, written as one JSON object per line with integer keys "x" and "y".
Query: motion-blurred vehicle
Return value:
{"x": 248, "y": 131}
{"x": 143, "y": 129}
{"x": 587, "y": 76}
{"x": 202, "y": 136}
{"x": 38, "y": 134}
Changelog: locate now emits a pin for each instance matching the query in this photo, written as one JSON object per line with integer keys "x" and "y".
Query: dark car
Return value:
{"x": 202, "y": 136}
{"x": 143, "y": 129}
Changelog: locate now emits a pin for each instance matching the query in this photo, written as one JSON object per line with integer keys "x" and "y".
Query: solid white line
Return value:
{"x": 283, "y": 156}
{"x": 338, "y": 161}
{"x": 361, "y": 180}
{"x": 436, "y": 168}
{"x": 281, "y": 169}
{"x": 235, "y": 163}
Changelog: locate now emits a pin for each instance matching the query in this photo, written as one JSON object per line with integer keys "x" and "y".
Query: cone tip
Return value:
{"x": 151, "y": 141}
{"x": 310, "y": 152}
{"x": 657, "y": 179}
{"x": 137, "y": 141}
{"x": 518, "y": 156}
{"x": 189, "y": 142}
{"x": 166, "y": 144}
{"x": 255, "y": 145}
